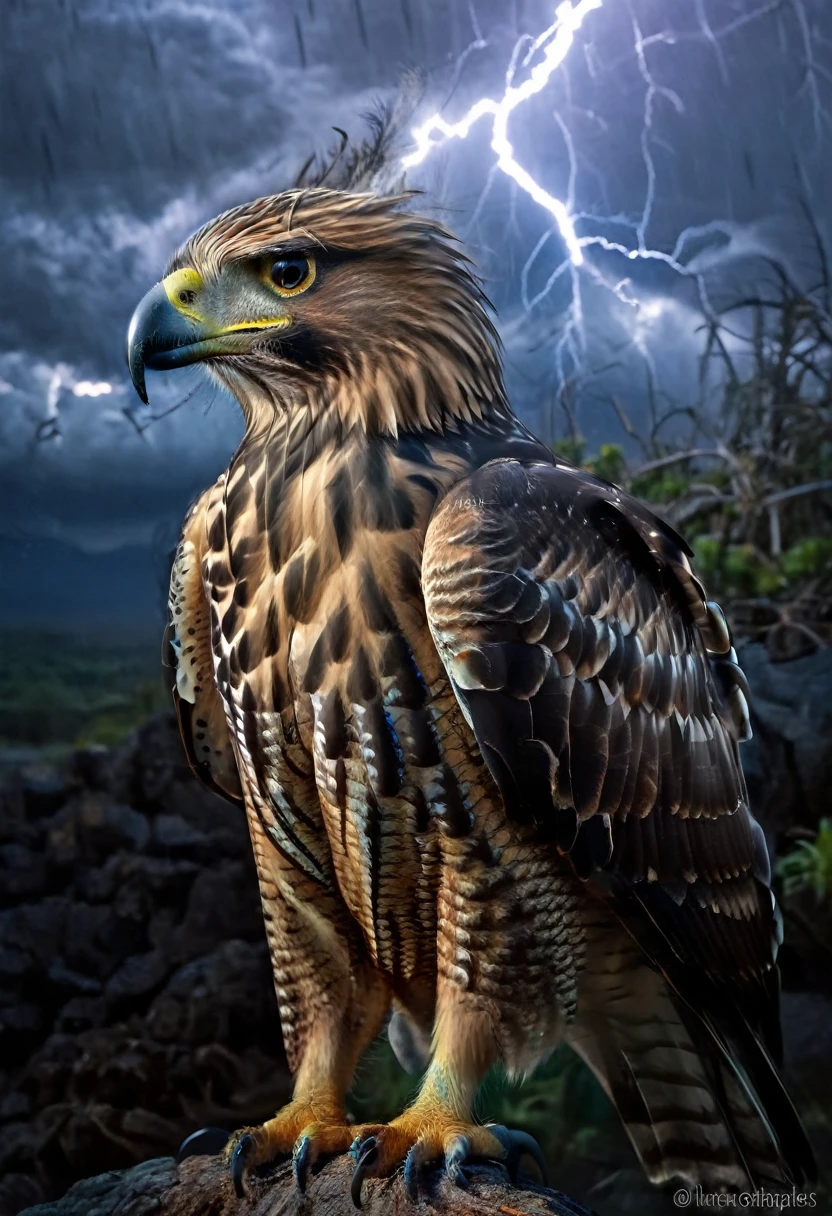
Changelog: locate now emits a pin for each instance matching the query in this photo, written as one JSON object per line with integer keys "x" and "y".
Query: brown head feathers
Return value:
{"x": 393, "y": 334}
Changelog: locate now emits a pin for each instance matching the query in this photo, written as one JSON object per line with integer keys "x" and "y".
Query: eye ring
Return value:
{"x": 290, "y": 276}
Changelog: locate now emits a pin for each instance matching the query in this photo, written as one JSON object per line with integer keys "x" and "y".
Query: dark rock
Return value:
{"x": 92, "y": 827}
{"x": 18, "y": 1145}
{"x": 92, "y": 942}
{"x": 133, "y": 903}
{"x": 137, "y": 976}
{"x": 175, "y": 837}
{"x": 14, "y": 964}
{"x": 162, "y": 760}
{"x": 199, "y": 1186}
{"x": 92, "y": 768}
{"x": 788, "y": 763}
{"x": 166, "y": 1019}
{"x": 47, "y": 1074}
{"x": 13, "y": 1106}
{"x": 22, "y": 873}
{"x": 13, "y": 824}
{"x": 98, "y": 884}
{"x": 36, "y": 929}
{"x": 19, "y": 1191}
{"x": 81, "y": 1013}
{"x": 224, "y": 997}
{"x": 22, "y": 1018}
{"x": 224, "y": 825}
{"x": 164, "y": 876}
{"x": 136, "y": 1193}
{"x": 71, "y": 981}
{"x": 161, "y": 932}
{"x": 809, "y": 1016}
{"x": 44, "y": 790}
{"x": 222, "y": 904}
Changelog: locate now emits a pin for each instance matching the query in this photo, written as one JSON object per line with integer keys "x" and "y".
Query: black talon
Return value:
{"x": 367, "y": 1154}
{"x": 411, "y": 1176}
{"x": 528, "y": 1145}
{"x": 301, "y": 1162}
{"x": 518, "y": 1144}
{"x": 243, "y": 1152}
{"x": 207, "y": 1142}
{"x": 454, "y": 1158}
{"x": 457, "y": 1175}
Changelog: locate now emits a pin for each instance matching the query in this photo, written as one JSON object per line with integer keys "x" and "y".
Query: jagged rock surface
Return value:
{"x": 137, "y": 1000}
{"x": 201, "y": 1187}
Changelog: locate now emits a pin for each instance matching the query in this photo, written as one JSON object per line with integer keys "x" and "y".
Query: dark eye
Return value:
{"x": 290, "y": 273}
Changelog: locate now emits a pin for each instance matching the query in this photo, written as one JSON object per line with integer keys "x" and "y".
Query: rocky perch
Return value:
{"x": 200, "y": 1186}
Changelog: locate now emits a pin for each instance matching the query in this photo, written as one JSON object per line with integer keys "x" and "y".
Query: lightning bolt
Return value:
{"x": 549, "y": 50}
{"x": 554, "y": 43}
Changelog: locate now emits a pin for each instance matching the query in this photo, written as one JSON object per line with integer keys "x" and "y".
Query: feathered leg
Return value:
{"x": 440, "y": 1122}
{"x": 332, "y": 1004}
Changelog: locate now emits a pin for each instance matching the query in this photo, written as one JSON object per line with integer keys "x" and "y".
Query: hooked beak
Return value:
{"x": 168, "y": 331}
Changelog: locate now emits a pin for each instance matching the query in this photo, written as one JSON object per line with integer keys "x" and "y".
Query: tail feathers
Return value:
{"x": 761, "y": 1112}
{"x": 684, "y": 1091}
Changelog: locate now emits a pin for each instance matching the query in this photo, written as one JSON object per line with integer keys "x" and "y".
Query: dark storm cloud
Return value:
{"x": 125, "y": 124}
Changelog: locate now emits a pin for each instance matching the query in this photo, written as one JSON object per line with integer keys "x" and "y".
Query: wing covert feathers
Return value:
{"x": 598, "y": 679}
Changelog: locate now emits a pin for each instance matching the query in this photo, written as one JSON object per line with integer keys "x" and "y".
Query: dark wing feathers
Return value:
{"x": 606, "y": 699}
{"x": 602, "y": 688}
{"x": 568, "y": 617}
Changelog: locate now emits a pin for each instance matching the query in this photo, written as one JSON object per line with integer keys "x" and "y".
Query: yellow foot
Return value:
{"x": 307, "y": 1130}
{"x": 417, "y": 1137}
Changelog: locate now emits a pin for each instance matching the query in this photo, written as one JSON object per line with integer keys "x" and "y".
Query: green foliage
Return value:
{"x": 561, "y": 1105}
{"x": 735, "y": 570}
{"x": 746, "y": 573}
{"x": 661, "y": 486}
{"x": 811, "y": 557}
{"x": 609, "y": 463}
{"x": 63, "y": 690}
{"x": 708, "y": 556}
{"x": 742, "y": 570}
{"x": 808, "y": 868}
{"x": 570, "y": 449}
{"x": 110, "y": 726}
{"x": 381, "y": 1088}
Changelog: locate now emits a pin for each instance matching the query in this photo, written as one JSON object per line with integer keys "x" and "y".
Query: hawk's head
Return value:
{"x": 318, "y": 299}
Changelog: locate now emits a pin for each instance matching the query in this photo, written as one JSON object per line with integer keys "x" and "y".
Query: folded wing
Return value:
{"x": 605, "y": 697}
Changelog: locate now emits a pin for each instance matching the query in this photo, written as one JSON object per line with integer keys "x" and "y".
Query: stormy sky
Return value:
{"x": 126, "y": 123}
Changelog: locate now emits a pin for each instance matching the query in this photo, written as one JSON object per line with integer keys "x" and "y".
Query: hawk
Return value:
{"x": 478, "y": 710}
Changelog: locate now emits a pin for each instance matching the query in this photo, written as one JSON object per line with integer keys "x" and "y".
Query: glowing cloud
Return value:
{"x": 92, "y": 388}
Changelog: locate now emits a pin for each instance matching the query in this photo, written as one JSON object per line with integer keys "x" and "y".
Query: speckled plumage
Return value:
{"x": 482, "y": 718}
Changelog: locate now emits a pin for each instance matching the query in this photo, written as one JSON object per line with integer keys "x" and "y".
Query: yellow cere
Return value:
{"x": 181, "y": 289}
